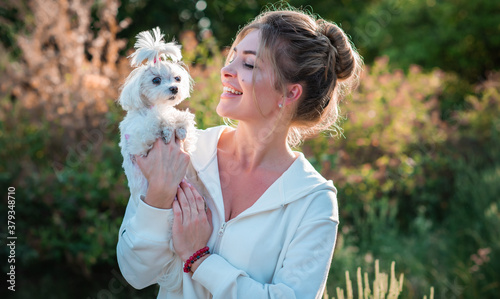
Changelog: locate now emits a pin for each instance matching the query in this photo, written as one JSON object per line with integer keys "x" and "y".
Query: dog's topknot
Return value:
{"x": 153, "y": 48}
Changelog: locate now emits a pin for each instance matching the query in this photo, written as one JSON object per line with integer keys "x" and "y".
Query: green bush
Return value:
{"x": 459, "y": 36}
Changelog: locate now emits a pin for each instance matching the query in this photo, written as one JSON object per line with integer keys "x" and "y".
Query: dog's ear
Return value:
{"x": 183, "y": 66}
{"x": 130, "y": 97}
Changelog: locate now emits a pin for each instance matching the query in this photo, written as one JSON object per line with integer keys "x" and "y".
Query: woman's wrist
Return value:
{"x": 198, "y": 262}
{"x": 160, "y": 199}
{"x": 191, "y": 263}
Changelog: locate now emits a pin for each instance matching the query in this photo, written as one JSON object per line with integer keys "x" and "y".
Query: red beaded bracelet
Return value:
{"x": 196, "y": 256}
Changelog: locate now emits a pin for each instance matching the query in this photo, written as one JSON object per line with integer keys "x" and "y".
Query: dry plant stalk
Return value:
{"x": 349, "y": 285}
{"x": 381, "y": 285}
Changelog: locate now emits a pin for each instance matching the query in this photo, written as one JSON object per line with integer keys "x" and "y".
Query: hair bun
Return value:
{"x": 346, "y": 59}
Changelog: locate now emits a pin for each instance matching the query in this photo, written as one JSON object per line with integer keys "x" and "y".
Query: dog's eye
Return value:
{"x": 156, "y": 80}
{"x": 178, "y": 78}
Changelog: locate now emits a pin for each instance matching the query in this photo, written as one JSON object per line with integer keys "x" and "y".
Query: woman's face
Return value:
{"x": 245, "y": 92}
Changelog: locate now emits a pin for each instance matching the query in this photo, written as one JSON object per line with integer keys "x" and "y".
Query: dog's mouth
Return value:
{"x": 171, "y": 98}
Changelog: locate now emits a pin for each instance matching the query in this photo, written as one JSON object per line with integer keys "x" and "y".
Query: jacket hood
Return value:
{"x": 299, "y": 180}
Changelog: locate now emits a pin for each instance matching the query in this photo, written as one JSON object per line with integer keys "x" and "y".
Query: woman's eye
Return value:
{"x": 156, "y": 80}
{"x": 247, "y": 65}
{"x": 178, "y": 78}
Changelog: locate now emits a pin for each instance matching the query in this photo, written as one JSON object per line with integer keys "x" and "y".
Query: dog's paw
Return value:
{"x": 143, "y": 153}
{"x": 181, "y": 133}
{"x": 167, "y": 134}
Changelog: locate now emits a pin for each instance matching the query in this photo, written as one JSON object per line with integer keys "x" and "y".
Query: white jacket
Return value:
{"x": 280, "y": 247}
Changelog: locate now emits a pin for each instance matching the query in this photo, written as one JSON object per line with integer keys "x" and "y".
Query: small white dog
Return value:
{"x": 149, "y": 95}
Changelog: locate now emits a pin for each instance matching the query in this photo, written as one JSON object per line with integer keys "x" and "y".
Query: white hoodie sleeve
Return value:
{"x": 143, "y": 249}
{"x": 304, "y": 270}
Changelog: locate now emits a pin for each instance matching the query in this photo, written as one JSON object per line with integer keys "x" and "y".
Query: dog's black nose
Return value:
{"x": 174, "y": 89}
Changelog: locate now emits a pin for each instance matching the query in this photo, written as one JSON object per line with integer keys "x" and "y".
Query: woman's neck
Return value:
{"x": 257, "y": 146}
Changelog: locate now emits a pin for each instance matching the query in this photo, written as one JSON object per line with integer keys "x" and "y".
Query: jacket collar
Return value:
{"x": 299, "y": 180}
{"x": 202, "y": 156}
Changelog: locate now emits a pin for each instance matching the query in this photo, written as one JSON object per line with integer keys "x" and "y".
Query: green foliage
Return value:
{"x": 69, "y": 201}
{"x": 475, "y": 218}
{"x": 459, "y": 36}
{"x": 10, "y": 24}
{"x": 207, "y": 61}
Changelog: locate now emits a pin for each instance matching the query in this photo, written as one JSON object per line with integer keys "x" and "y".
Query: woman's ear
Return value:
{"x": 293, "y": 93}
{"x": 130, "y": 97}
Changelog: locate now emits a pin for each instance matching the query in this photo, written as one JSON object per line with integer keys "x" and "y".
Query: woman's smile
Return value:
{"x": 229, "y": 92}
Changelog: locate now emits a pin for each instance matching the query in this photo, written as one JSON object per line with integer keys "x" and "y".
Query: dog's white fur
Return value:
{"x": 153, "y": 88}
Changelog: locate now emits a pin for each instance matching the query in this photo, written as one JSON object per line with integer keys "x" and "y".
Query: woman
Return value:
{"x": 272, "y": 220}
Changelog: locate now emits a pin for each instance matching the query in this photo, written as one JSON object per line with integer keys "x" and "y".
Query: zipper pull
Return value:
{"x": 222, "y": 228}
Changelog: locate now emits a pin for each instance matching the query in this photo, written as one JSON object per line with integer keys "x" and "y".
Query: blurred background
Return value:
{"x": 417, "y": 165}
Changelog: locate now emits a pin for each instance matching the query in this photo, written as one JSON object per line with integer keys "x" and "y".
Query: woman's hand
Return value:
{"x": 192, "y": 224}
{"x": 164, "y": 167}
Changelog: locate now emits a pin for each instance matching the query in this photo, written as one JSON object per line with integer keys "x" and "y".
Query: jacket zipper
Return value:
{"x": 219, "y": 237}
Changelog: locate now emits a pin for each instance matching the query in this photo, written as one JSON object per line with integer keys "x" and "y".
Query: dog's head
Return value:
{"x": 159, "y": 78}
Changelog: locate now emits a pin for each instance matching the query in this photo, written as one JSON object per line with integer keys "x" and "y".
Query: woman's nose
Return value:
{"x": 228, "y": 71}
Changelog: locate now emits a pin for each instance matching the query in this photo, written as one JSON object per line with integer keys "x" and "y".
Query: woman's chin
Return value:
{"x": 225, "y": 109}
{"x": 222, "y": 113}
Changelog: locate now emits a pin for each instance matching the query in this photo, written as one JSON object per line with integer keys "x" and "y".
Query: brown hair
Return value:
{"x": 313, "y": 52}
